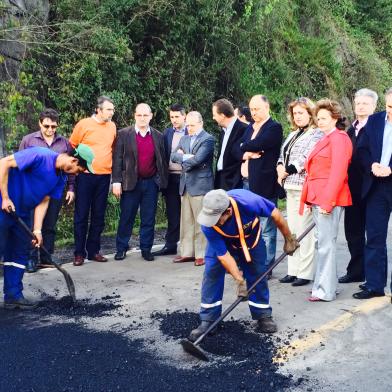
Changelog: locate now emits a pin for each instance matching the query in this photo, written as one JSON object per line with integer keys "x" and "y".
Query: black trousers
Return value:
{"x": 48, "y": 230}
{"x": 173, "y": 210}
{"x": 354, "y": 228}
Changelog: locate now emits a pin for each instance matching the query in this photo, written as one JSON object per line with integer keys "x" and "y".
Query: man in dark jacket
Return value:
{"x": 139, "y": 171}
{"x": 259, "y": 149}
{"x": 228, "y": 168}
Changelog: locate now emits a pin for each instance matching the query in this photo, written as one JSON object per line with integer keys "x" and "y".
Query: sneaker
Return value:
{"x": 267, "y": 325}
{"x": 20, "y": 303}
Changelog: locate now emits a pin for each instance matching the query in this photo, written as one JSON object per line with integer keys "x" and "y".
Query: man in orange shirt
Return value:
{"x": 98, "y": 132}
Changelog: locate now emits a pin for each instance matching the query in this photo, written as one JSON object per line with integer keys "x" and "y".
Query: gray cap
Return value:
{"x": 215, "y": 203}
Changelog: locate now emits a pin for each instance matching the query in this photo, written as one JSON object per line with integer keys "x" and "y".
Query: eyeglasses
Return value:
{"x": 46, "y": 126}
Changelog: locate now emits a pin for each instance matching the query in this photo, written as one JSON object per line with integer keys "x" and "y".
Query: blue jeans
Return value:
{"x": 14, "y": 249}
{"x": 145, "y": 196}
{"x": 268, "y": 230}
{"x": 91, "y": 200}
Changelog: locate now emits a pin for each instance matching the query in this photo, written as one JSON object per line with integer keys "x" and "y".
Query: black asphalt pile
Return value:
{"x": 84, "y": 307}
{"x": 245, "y": 358}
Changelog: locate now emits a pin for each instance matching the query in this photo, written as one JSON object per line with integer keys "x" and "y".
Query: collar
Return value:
{"x": 97, "y": 120}
{"x": 179, "y": 131}
{"x": 230, "y": 126}
{"x": 137, "y": 129}
{"x": 197, "y": 133}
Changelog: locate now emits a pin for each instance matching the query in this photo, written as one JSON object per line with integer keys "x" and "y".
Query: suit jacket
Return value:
{"x": 168, "y": 139}
{"x": 369, "y": 149}
{"x": 125, "y": 159}
{"x": 263, "y": 179}
{"x": 326, "y": 183}
{"x": 197, "y": 176}
{"x": 230, "y": 175}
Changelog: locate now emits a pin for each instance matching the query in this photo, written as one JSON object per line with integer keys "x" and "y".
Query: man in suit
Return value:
{"x": 195, "y": 153}
{"x": 171, "y": 138}
{"x": 259, "y": 149}
{"x": 139, "y": 171}
{"x": 228, "y": 168}
{"x": 365, "y": 102}
{"x": 374, "y": 152}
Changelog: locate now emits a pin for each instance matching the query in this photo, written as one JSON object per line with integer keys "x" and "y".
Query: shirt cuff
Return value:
{"x": 185, "y": 157}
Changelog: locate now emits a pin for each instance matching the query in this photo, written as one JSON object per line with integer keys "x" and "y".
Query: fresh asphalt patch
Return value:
{"x": 41, "y": 354}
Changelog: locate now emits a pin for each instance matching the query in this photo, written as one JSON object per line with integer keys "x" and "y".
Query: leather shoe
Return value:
{"x": 180, "y": 259}
{"x": 366, "y": 294}
{"x": 165, "y": 251}
{"x": 300, "y": 282}
{"x": 120, "y": 255}
{"x": 267, "y": 325}
{"x": 98, "y": 257}
{"x": 20, "y": 303}
{"x": 288, "y": 279}
{"x": 196, "y": 333}
{"x": 147, "y": 255}
{"x": 348, "y": 279}
{"x": 78, "y": 261}
{"x": 199, "y": 262}
{"x": 362, "y": 286}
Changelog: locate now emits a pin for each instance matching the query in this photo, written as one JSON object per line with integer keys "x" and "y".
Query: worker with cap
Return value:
{"x": 231, "y": 223}
{"x": 28, "y": 179}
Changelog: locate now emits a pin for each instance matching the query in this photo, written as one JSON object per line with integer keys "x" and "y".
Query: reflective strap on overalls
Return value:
{"x": 241, "y": 235}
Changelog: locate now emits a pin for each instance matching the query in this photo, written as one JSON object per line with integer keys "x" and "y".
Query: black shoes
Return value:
{"x": 300, "y": 282}
{"x": 196, "y": 333}
{"x": 288, "y": 279}
{"x": 165, "y": 251}
{"x": 362, "y": 286}
{"x": 366, "y": 294}
{"x": 147, "y": 255}
{"x": 120, "y": 255}
{"x": 349, "y": 279}
{"x": 267, "y": 325}
{"x": 20, "y": 303}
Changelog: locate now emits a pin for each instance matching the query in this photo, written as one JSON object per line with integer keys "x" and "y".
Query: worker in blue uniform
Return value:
{"x": 231, "y": 223}
{"x": 28, "y": 179}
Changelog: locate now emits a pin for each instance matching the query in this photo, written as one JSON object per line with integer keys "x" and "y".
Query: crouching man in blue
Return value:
{"x": 231, "y": 223}
{"x": 28, "y": 179}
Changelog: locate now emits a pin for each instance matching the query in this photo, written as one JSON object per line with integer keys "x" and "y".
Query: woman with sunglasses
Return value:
{"x": 291, "y": 175}
{"x": 326, "y": 192}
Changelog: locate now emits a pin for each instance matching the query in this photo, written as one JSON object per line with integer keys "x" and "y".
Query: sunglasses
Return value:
{"x": 46, "y": 126}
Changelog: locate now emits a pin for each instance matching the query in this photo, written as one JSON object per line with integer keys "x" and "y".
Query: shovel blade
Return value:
{"x": 194, "y": 350}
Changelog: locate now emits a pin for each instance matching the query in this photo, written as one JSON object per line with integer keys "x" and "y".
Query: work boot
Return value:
{"x": 196, "y": 333}
{"x": 267, "y": 325}
{"x": 20, "y": 303}
{"x": 31, "y": 266}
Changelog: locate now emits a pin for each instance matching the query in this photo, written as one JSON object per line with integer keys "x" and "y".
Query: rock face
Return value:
{"x": 14, "y": 16}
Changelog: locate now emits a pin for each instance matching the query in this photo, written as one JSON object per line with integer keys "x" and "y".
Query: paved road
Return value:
{"x": 345, "y": 345}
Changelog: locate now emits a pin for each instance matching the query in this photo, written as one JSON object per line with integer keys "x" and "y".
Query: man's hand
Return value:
{"x": 37, "y": 242}
{"x": 379, "y": 170}
{"x": 7, "y": 205}
{"x": 117, "y": 190}
{"x": 70, "y": 197}
{"x": 242, "y": 291}
{"x": 252, "y": 155}
{"x": 290, "y": 244}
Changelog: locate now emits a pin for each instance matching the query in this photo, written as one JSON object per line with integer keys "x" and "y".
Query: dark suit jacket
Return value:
{"x": 263, "y": 179}
{"x": 168, "y": 139}
{"x": 197, "y": 176}
{"x": 230, "y": 175}
{"x": 369, "y": 149}
{"x": 125, "y": 157}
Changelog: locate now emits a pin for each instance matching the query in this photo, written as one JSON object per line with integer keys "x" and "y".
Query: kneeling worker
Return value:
{"x": 231, "y": 223}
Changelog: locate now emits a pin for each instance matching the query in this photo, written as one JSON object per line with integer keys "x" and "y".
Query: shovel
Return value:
{"x": 67, "y": 276}
{"x": 193, "y": 348}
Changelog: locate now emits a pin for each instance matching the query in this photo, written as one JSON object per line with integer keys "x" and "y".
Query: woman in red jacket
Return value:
{"x": 326, "y": 191}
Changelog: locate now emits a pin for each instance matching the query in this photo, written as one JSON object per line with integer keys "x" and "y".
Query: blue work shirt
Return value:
{"x": 34, "y": 178}
{"x": 250, "y": 207}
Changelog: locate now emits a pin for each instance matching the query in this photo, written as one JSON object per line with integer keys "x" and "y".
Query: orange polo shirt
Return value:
{"x": 98, "y": 136}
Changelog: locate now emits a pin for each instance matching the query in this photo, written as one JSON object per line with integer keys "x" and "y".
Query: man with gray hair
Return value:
{"x": 195, "y": 153}
{"x": 375, "y": 153}
{"x": 365, "y": 102}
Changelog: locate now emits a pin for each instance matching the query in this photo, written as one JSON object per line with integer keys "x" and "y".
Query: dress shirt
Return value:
{"x": 192, "y": 142}
{"x": 177, "y": 135}
{"x": 386, "y": 144}
{"x": 227, "y": 132}
{"x": 140, "y": 132}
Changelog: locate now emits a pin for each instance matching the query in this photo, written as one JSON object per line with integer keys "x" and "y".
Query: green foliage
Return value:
{"x": 195, "y": 51}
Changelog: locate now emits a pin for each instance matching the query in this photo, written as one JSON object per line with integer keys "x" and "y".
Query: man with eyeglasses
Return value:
{"x": 98, "y": 132}
{"x": 48, "y": 137}
{"x": 139, "y": 171}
